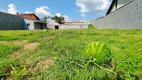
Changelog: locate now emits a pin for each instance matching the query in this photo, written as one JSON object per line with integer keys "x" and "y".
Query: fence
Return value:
{"x": 11, "y": 22}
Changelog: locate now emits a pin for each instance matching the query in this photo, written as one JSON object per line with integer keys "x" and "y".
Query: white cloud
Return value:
{"x": 87, "y": 6}
{"x": 42, "y": 11}
{"x": 58, "y": 14}
{"x": 12, "y": 9}
{"x": 83, "y": 14}
{"x": 66, "y": 18}
{"x": 28, "y": 12}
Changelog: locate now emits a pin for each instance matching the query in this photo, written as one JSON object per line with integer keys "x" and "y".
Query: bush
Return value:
{"x": 91, "y": 26}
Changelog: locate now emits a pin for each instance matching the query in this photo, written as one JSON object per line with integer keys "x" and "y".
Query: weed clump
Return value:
{"x": 91, "y": 26}
{"x": 97, "y": 52}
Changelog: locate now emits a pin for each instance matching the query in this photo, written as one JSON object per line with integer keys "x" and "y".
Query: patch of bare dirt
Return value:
{"x": 16, "y": 55}
{"x": 20, "y": 42}
{"x": 27, "y": 46}
{"x": 49, "y": 37}
{"x": 31, "y": 46}
{"x": 43, "y": 65}
{"x": 3, "y": 42}
{"x": 16, "y": 42}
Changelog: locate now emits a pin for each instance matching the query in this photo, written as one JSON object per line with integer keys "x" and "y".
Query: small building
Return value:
{"x": 75, "y": 22}
{"x": 72, "y": 24}
{"x": 52, "y": 24}
{"x": 33, "y": 22}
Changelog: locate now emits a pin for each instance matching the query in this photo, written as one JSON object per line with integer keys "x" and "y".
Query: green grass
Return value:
{"x": 59, "y": 50}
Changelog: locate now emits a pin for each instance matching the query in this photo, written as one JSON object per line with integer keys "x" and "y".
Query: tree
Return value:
{"x": 45, "y": 18}
{"x": 59, "y": 20}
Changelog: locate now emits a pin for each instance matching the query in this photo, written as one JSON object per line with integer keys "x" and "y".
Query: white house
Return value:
{"x": 70, "y": 24}
{"x": 33, "y": 22}
{"x": 52, "y": 24}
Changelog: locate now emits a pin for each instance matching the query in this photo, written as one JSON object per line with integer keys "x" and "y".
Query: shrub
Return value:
{"x": 91, "y": 26}
{"x": 44, "y": 30}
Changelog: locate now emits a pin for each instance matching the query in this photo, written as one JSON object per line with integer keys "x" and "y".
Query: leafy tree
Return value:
{"x": 45, "y": 18}
{"x": 59, "y": 20}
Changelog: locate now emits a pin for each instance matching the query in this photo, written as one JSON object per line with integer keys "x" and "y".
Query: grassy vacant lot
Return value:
{"x": 53, "y": 55}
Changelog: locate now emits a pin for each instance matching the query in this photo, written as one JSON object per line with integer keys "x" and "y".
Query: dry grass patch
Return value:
{"x": 3, "y": 42}
{"x": 30, "y": 46}
{"x": 16, "y": 42}
{"x": 16, "y": 55}
{"x": 43, "y": 65}
{"x": 20, "y": 42}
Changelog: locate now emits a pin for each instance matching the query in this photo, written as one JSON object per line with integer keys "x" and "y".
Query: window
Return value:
{"x": 28, "y": 24}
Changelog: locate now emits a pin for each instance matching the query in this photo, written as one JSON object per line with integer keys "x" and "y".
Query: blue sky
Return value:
{"x": 71, "y": 9}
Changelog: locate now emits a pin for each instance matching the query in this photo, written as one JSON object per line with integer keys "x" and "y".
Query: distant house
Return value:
{"x": 11, "y": 22}
{"x": 52, "y": 24}
{"x": 75, "y": 22}
{"x": 33, "y": 22}
{"x": 67, "y": 24}
{"x": 116, "y": 4}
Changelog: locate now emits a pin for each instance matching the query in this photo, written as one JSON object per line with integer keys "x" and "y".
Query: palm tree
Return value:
{"x": 59, "y": 20}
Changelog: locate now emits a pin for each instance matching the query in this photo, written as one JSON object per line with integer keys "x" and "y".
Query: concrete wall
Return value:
{"x": 73, "y": 26}
{"x": 127, "y": 17}
{"x": 122, "y": 3}
{"x": 11, "y": 22}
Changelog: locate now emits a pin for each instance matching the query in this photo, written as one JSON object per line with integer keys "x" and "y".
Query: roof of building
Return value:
{"x": 75, "y": 22}
{"x": 27, "y": 15}
{"x": 111, "y": 6}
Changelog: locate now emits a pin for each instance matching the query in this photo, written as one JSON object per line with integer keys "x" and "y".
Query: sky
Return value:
{"x": 70, "y": 9}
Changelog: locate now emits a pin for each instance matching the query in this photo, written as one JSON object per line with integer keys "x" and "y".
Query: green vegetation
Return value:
{"x": 97, "y": 52}
{"x": 68, "y": 55}
{"x": 58, "y": 19}
{"x": 91, "y": 26}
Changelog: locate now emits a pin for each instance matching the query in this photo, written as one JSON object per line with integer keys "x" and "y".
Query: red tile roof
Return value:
{"x": 29, "y": 16}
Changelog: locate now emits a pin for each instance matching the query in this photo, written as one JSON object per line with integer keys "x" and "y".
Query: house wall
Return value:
{"x": 127, "y": 17}
{"x": 50, "y": 26}
{"x": 73, "y": 26}
{"x": 69, "y": 26}
{"x": 11, "y": 22}
{"x": 31, "y": 26}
